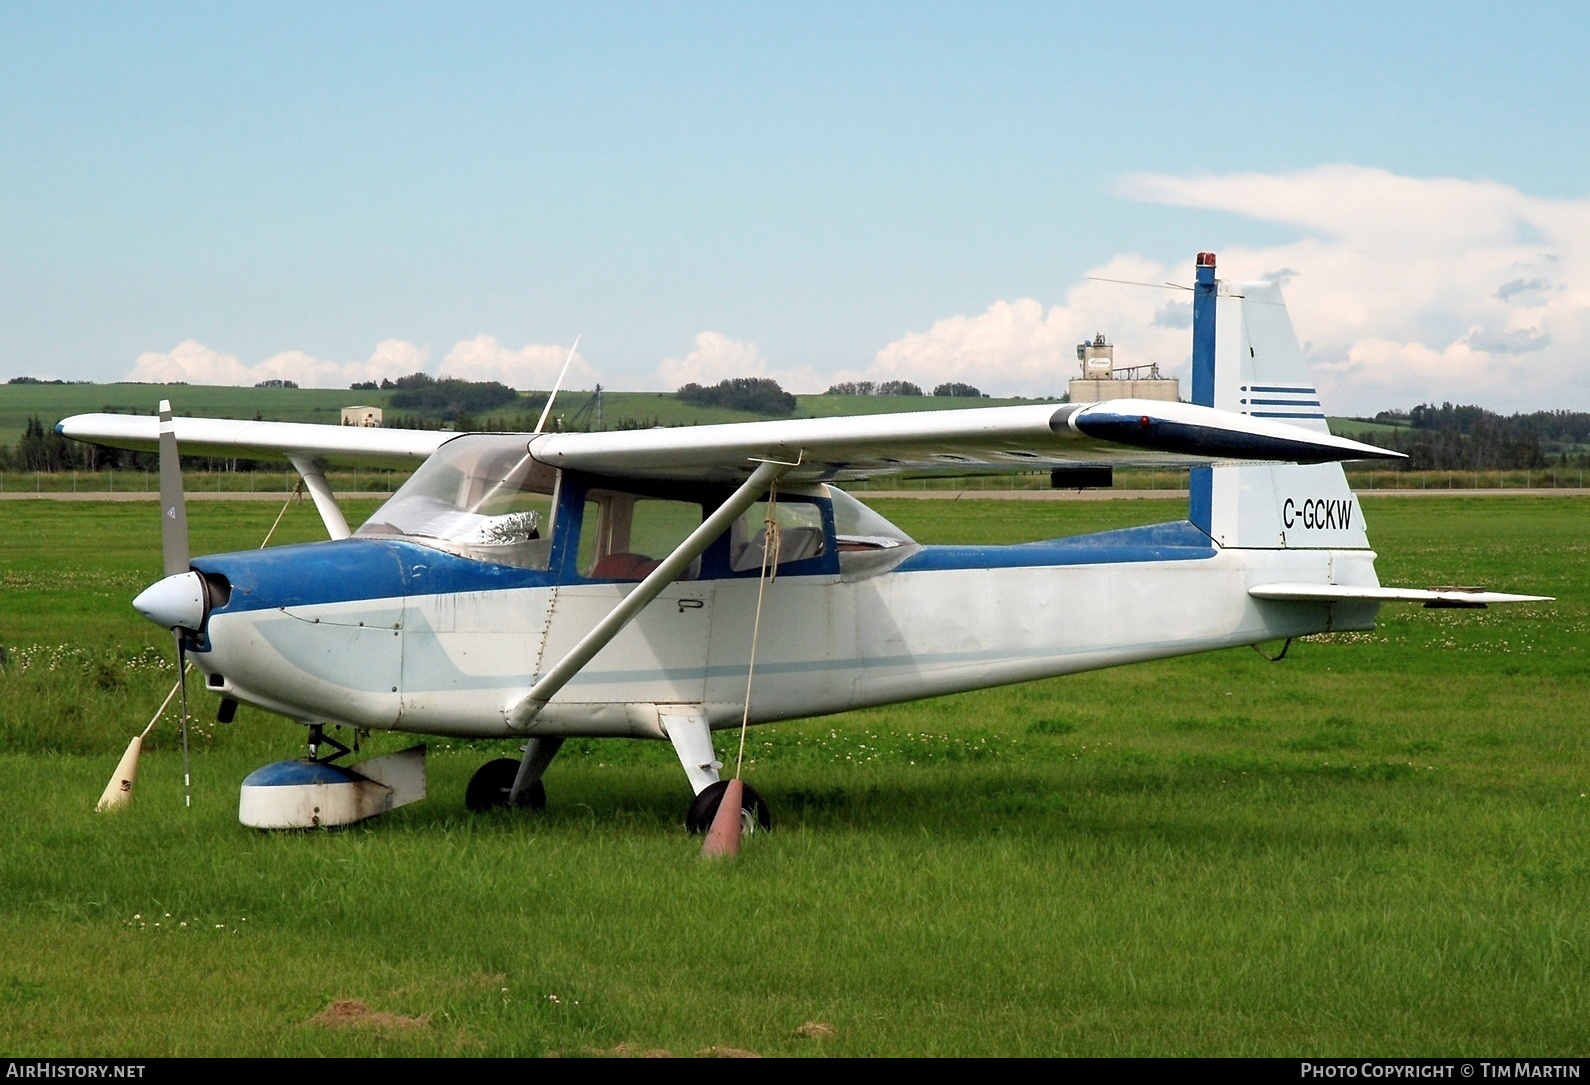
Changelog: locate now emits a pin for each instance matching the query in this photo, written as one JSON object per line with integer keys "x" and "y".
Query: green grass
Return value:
{"x": 1353, "y": 427}
{"x": 1374, "y": 847}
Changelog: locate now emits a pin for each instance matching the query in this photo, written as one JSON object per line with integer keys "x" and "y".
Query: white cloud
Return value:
{"x": 535, "y": 365}
{"x": 190, "y": 362}
{"x": 1020, "y": 348}
{"x": 1402, "y": 289}
{"x": 717, "y": 358}
{"x": 1412, "y": 290}
{"x": 478, "y": 359}
{"x": 194, "y": 363}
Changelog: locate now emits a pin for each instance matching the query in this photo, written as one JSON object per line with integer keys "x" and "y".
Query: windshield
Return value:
{"x": 480, "y": 496}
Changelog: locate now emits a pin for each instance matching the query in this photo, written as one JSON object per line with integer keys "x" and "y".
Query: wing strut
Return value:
{"x": 313, "y": 472}
{"x": 527, "y": 708}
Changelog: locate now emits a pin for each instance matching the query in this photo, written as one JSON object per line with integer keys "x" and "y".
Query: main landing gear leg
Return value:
{"x": 493, "y": 785}
{"x": 692, "y": 738}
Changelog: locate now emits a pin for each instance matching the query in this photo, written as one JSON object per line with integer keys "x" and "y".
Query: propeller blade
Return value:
{"x": 173, "y": 505}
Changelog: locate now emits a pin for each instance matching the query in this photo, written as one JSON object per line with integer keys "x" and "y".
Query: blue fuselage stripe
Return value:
{"x": 366, "y": 570}
{"x": 1177, "y": 541}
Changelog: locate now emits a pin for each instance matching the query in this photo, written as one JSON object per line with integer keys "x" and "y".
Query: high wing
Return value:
{"x": 1126, "y": 432}
{"x": 361, "y": 445}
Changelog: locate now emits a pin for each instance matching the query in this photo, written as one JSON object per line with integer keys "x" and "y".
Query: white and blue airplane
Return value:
{"x": 548, "y": 585}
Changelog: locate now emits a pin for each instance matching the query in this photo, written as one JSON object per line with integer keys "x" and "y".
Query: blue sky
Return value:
{"x": 225, "y": 193}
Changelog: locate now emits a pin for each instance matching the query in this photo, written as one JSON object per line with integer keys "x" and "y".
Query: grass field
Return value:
{"x": 1374, "y": 847}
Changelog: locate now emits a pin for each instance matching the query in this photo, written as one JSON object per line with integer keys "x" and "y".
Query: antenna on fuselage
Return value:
{"x": 542, "y": 425}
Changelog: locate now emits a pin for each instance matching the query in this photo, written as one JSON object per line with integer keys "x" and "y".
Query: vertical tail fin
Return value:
{"x": 1246, "y": 359}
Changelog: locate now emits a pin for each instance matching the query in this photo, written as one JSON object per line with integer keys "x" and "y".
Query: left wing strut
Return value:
{"x": 522, "y": 712}
{"x": 313, "y": 472}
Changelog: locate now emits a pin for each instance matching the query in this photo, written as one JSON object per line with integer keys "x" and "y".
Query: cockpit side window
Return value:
{"x": 624, "y": 536}
{"x": 783, "y": 532}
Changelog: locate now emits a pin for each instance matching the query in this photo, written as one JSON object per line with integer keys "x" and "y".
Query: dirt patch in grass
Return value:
{"x": 351, "y": 1013}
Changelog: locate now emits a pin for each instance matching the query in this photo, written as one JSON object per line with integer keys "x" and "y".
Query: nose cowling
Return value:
{"x": 175, "y": 602}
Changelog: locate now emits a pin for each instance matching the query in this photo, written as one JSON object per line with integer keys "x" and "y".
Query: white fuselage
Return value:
{"x": 454, "y": 662}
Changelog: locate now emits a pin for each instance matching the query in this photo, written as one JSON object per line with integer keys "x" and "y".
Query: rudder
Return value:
{"x": 1246, "y": 359}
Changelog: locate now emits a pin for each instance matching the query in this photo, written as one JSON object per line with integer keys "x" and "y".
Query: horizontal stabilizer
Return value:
{"x": 1457, "y": 598}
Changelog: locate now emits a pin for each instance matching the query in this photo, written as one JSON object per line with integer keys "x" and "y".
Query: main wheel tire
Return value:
{"x": 754, "y": 812}
{"x": 489, "y": 787}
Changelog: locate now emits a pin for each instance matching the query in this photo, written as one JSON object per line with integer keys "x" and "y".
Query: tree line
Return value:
{"x": 1469, "y": 438}
{"x": 902, "y": 388}
{"x": 1441, "y": 438}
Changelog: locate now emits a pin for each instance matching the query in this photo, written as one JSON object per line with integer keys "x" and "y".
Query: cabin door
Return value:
{"x": 661, "y": 656}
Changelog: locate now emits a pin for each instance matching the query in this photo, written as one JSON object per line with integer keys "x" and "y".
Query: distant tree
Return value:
{"x": 1457, "y": 438}
{"x": 276, "y": 382}
{"x": 851, "y": 388}
{"x": 448, "y": 396}
{"x": 363, "y": 386}
{"x": 868, "y": 388}
{"x": 956, "y": 388}
{"x": 758, "y": 395}
{"x": 42, "y": 449}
